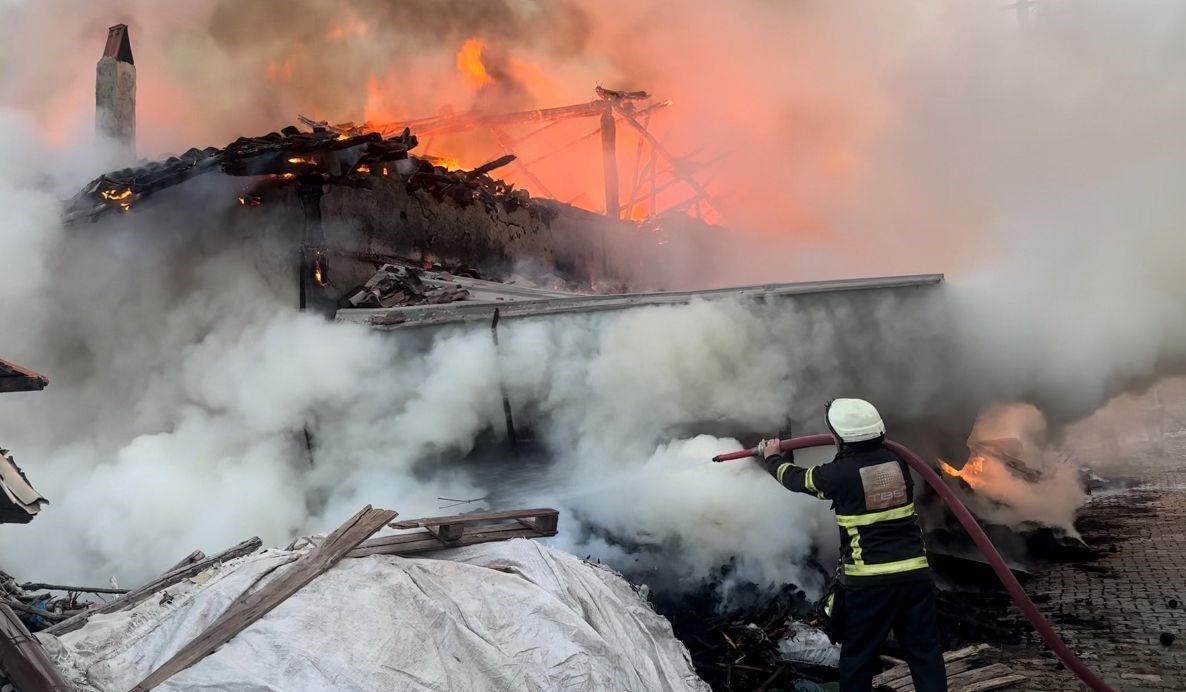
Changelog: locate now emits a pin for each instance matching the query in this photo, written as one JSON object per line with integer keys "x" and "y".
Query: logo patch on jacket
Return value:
{"x": 884, "y": 485}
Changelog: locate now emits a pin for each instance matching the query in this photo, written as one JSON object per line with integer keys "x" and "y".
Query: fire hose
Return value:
{"x": 1056, "y": 644}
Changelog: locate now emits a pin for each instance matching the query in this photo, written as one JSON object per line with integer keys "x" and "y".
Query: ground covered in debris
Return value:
{"x": 1123, "y": 612}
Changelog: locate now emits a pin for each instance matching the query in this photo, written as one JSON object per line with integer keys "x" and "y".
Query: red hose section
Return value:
{"x": 981, "y": 540}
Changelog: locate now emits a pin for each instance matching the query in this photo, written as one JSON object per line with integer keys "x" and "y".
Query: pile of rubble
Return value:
{"x": 41, "y": 606}
{"x": 763, "y": 640}
{"x": 328, "y": 155}
{"x": 401, "y": 285}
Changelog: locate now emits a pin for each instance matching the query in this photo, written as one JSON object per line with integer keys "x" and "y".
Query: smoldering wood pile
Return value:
{"x": 328, "y": 155}
{"x": 738, "y": 649}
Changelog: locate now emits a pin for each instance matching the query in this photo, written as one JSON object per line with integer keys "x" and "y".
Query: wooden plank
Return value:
{"x": 188, "y": 560}
{"x": 423, "y": 541}
{"x": 966, "y": 652}
{"x": 903, "y": 682}
{"x": 249, "y": 608}
{"x": 978, "y": 675}
{"x": 447, "y": 533}
{"x": 162, "y": 582}
{"x": 24, "y": 660}
{"x": 895, "y": 676}
{"x": 994, "y": 683}
{"x": 473, "y": 518}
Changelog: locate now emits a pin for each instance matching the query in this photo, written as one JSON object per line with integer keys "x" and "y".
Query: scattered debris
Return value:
{"x": 330, "y": 156}
{"x": 166, "y": 580}
{"x": 740, "y": 649}
{"x": 396, "y": 285}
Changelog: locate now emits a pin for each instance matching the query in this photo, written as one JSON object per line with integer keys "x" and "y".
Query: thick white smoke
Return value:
{"x": 1036, "y": 165}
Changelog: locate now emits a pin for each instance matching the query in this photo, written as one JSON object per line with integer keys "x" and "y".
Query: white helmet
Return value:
{"x": 854, "y": 420}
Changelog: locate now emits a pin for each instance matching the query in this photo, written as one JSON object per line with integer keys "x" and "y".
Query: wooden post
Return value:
{"x": 506, "y": 402}
{"x": 609, "y": 155}
{"x": 23, "y": 659}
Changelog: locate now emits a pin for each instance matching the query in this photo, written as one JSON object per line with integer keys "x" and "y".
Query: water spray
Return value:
{"x": 1056, "y": 644}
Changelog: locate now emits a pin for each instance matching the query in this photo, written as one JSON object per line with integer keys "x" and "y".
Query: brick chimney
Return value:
{"x": 115, "y": 93}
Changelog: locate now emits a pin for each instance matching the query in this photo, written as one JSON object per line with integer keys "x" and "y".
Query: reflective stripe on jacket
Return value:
{"x": 873, "y": 495}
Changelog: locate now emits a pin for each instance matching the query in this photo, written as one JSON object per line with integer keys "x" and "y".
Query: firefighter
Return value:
{"x": 885, "y": 581}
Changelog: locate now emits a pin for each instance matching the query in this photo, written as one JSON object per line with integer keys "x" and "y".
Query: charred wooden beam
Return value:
{"x": 493, "y": 165}
{"x": 609, "y": 159}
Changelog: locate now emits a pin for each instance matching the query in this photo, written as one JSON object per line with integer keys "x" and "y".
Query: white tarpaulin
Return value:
{"x": 501, "y": 616}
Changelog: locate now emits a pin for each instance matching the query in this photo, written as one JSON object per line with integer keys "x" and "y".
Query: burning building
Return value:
{"x": 183, "y": 273}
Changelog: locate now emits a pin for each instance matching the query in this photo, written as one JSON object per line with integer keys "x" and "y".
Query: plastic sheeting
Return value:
{"x": 806, "y": 644}
{"x": 501, "y": 616}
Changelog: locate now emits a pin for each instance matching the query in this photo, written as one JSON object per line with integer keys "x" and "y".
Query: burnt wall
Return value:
{"x": 382, "y": 217}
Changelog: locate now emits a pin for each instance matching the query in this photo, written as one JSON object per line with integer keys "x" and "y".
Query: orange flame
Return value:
{"x": 446, "y": 162}
{"x": 972, "y": 472}
{"x": 469, "y": 62}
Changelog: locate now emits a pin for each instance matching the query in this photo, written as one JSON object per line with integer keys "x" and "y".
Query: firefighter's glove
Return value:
{"x": 768, "y": 448}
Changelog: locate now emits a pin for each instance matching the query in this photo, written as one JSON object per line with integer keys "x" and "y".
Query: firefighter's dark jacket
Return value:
{"x": 873, "y": 495}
